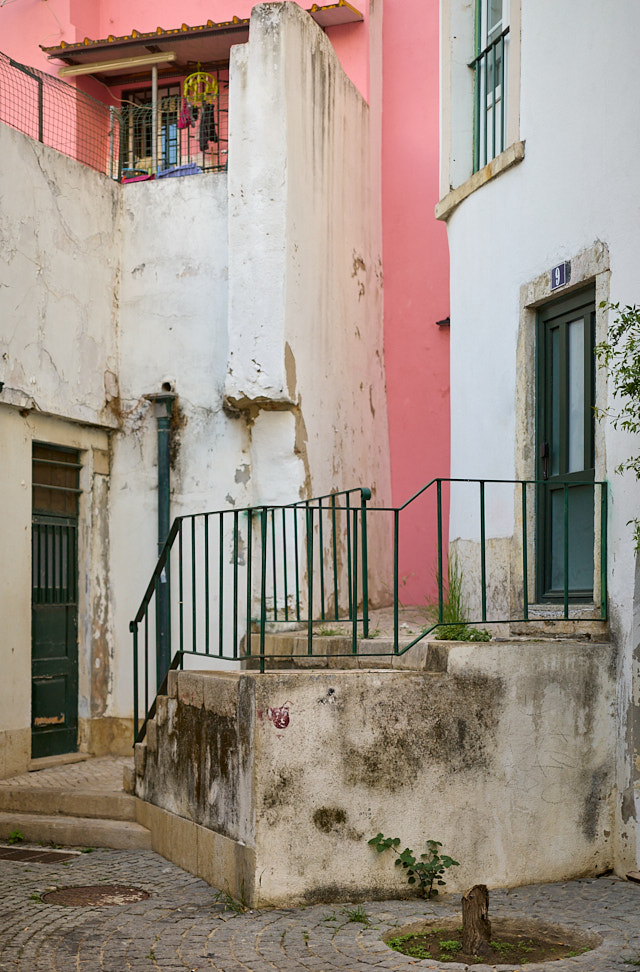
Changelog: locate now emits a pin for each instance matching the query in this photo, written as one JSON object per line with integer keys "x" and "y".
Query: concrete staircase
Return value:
{"x": 79, "y": 805}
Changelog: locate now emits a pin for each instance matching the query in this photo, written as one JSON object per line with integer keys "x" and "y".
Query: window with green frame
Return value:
{"x": 490, "y": 70}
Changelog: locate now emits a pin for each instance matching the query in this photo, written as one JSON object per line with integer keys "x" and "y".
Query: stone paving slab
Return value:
{"x": 98, "y": 773}
{"x": 183, "y": 926}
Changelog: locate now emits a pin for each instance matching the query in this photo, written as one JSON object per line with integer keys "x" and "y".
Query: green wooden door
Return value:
{"x": 54, "y": 602}
{"x": 565, "y": 433}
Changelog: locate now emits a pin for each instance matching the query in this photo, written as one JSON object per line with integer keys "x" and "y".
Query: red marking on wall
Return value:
{"x": 279, "y": 716}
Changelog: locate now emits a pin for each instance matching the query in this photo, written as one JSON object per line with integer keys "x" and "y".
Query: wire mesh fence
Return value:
{"x": 189, "y": 138}
{"x": 133, "y": 141}
{"x": 60, "y": 116}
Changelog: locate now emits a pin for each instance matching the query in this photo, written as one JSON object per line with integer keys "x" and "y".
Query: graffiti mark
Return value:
{"x": 279, "y": 716}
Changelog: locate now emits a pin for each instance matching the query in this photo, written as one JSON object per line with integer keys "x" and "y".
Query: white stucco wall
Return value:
{"x": 506, "y": 758}
{"x": 59, "y": 261}
{"x": 57, "y": 334}
{"x": 304, "y": 254}
{"x": 577, "y": 185}
{"x": 255, "y": 295}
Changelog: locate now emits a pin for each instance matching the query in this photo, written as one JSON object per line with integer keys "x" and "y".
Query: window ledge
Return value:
{"x": 511, "y": 156}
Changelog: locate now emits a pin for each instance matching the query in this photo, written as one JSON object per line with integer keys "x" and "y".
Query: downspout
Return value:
{"x": 154, "y": 119}
{"x": 162, "y": 409}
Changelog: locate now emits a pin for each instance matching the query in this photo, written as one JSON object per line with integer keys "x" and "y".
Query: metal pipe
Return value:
{"x": 163, "y": 407}
{"x": 154, "y": 119}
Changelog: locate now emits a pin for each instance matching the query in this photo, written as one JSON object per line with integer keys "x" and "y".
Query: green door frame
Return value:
{"x": 561, "y": 509}
{"x": 54, "y": 602}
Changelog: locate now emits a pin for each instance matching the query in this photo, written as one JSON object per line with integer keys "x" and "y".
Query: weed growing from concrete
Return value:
{"x": 229, "y": 903}
{"x": 15, "y": 837}
{"x": 356, "y": 914}
{"x": 426, "y": 872}
{"x": 454, "y": 624}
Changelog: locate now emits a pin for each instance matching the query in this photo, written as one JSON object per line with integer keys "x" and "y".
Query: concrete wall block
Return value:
{"x": 191, "y": 689}
{"x": 220, "y": 694}
{"x": 140, "y": 758}
{"x": 152, "y": 736}
{"x": 172, "y": 684}
{"x": 161, "y": 710}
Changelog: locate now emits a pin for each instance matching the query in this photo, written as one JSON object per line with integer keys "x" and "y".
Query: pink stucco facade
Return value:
{"x": 392, "y": 58}
{"x": 416, "y": 280}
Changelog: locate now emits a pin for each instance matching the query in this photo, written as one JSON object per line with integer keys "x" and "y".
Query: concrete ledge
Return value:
{"x": 510, "y": 157}
{"x": 76, "y": 831}
{"x": 73, "y": 803}
{"x": 191, "y": 689}
{"x": 221, "y": 862}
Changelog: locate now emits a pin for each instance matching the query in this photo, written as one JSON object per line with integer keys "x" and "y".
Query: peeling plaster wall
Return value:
{"x": 305, "y": 280}
{"x": 18, "y": 431}
{"x": 569, "y": 196}
{"x": 59, "y": 265}
{"x": 308, "y": 766}
{"x": 173, "y": 329}
{"x": 58, "y": 276}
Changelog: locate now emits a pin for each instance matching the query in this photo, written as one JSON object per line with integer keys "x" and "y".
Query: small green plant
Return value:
{"x": 426, "y": 872}
{"x": 327, "y": 632}
{"x": 15, "y": 837}
{"x": 453, "y": 626}
{"x": 503, "y": 947}
{"x": 35, "y": 896}
{"x": 451, "y": 946}
{"x": 229, "y": 903}
{"x": 87, "y": 850}
{"x": 620, "y": 356}
{"x": 356, "y": 914}
{"x": 416, "y": 950}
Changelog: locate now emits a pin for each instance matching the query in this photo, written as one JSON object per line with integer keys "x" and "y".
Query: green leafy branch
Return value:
{"x": 620, "y": 356}
{"x": 427, "y": 871}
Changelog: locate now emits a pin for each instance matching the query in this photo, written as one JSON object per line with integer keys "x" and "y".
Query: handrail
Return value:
{"x": 234, "y": 574}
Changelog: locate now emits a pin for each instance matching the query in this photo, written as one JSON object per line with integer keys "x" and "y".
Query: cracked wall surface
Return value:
{"x": 308, "y": 766}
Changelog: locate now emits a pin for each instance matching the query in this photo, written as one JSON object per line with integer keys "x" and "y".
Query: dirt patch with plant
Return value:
{"x": 513, "y": 941}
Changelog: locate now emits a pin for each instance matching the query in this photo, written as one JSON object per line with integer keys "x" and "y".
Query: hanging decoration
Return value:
{"x": 200, "y": 88}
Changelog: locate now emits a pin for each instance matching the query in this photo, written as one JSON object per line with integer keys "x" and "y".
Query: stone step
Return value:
{"x": 74, "y": 831}
{"x": 288, "y": 650}
{"x": 76, "y": 802}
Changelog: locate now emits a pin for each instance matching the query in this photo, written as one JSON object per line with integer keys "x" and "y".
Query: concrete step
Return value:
{"x": 95, "y": 804}
{"x": 74, "y": 831}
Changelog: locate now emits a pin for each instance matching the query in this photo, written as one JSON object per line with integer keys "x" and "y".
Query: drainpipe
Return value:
{"x": 154, "y": 119}
{"x": 162, "y": 409}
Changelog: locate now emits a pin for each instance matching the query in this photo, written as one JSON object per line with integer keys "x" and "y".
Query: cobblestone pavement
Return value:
{"x": 182, "y": 925}
{"x": 98, "y": 773}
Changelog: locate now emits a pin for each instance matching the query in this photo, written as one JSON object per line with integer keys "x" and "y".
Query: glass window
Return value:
{"x": 490, "y": 67}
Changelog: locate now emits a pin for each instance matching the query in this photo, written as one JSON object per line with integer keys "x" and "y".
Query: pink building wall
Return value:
{"x": 25, "y": 24}
{"x": 416, "y": 282}
{"x": 414, "y": 243}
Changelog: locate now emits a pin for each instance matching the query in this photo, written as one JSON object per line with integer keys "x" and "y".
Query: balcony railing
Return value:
{"x": 189, "y": 138}
{"x": 118, "y": 142}
{"x": 490, "y": 68}
{"x": 60, "y": 116}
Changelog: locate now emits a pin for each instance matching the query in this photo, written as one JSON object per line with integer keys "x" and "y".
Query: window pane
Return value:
{"x": 554, "y": 445}
{"x": 494, "y": 25}
{"x": 576, "y": 395}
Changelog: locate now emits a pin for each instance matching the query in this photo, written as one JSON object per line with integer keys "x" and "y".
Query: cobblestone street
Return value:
{"x": 182, "y": 925}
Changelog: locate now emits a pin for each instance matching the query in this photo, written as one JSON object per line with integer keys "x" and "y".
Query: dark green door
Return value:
{"x": 54, "y": 603}
{"x": 565, "y": 398}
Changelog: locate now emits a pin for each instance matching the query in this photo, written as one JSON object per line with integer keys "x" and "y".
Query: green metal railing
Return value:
{"x": 231, "y": 574}
{"x": 225, "y": 579}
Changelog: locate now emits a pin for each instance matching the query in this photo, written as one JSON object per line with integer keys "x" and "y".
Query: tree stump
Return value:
{"x": 476, "y": 927}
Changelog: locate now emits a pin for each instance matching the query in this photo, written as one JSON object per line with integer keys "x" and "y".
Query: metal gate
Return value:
{"x": 54, "y": 601}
